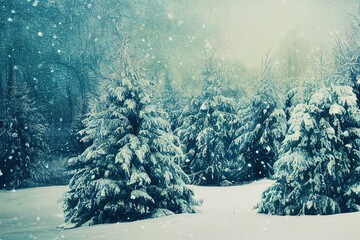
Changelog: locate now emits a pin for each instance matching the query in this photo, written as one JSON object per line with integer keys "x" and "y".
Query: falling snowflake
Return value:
{"x": 170, "y": 16}
{"x": 36, "y": 3}
{"x": 208, "y": 45}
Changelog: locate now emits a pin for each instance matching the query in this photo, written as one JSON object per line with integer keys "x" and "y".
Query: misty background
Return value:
{"x": 243, "y": 32}
{"x": 55, "y": 55}
{"x": 248, "y": 29}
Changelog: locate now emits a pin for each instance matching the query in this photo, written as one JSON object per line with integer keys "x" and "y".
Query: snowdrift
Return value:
{"x": 227, "y": 214}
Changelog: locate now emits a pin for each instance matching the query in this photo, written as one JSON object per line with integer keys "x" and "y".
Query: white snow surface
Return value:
{"x": 227, "y": 213}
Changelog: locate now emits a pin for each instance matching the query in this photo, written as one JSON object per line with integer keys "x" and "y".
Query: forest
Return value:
{"x": 130, "y": 103}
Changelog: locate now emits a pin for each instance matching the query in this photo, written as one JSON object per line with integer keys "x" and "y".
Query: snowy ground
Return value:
{"x": 227, "y": 213}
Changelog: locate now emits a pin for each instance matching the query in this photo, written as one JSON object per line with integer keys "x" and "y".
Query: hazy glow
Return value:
{"x": 249, "y": 28}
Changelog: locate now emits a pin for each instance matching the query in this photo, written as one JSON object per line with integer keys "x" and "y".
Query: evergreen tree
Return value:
{"x": 261, "y": 128}
{"x": 205, "y": 128}
{"x": 130, "y": 171}
{"x": 347, "y": 59}
{"x": 318, "y": 171}
{"x": 23, "y": 149}
{"x": 171, "y": 100}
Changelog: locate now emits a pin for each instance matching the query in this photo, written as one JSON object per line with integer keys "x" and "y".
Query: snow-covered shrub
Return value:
{"x": 318, "y": 170}
{"x": 130, "y": 171}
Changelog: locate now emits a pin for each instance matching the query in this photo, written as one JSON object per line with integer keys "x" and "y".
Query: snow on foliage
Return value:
{"x": 130, "y": 170}
{"x": 205, "y": 127}
{"x": 171, "y": 100}
{"x": 23, "y": 148}
{"x": 261, "y": 128}
{"x": 318, "y": 170}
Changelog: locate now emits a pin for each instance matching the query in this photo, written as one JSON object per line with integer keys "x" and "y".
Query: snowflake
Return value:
{"x": 36, "y": 3}
{"x": 170, "y": 16}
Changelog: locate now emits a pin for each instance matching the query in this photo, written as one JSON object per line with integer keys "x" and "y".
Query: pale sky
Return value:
{"x": 249, "y": 28}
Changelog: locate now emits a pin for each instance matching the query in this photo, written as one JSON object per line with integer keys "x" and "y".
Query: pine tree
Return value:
{"x": 261, "y": 129}
{"x": 205, "y": 128}
{"x": 318, "y": 170}
{"x": 23, "y": 149}
{"x": 171, "y": 100}
{"x": 130, "y": 171}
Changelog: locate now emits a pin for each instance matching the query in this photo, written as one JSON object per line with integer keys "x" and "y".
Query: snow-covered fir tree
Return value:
{"x": 205, "y": 127}
{"x": 318, "y": 170}
{"x": 260, "y": 128}
{"x": 130, "y": 171}
{"x": 171, "y": 101}
{"x": 23, "y": 151}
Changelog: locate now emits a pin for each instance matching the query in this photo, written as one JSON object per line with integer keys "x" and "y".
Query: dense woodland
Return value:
{"x": 91, "y": 97}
